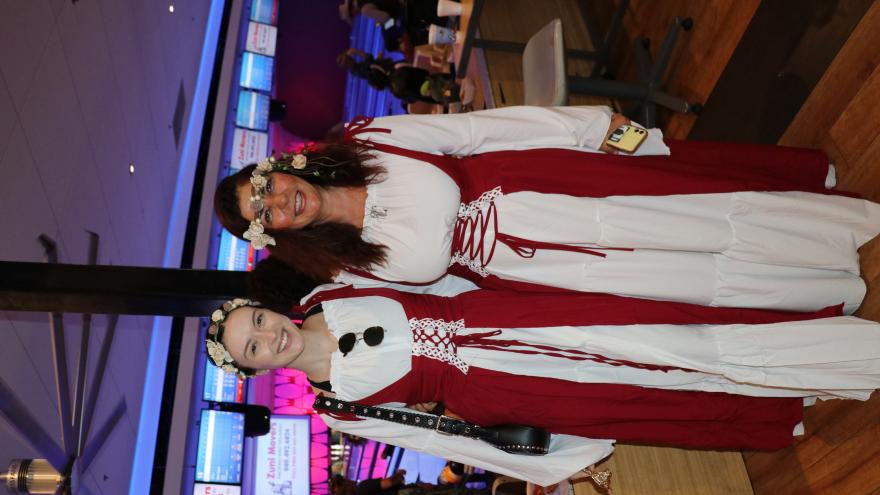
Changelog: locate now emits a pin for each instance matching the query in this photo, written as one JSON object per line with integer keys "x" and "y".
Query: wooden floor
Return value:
{"x": 841, "y": 451}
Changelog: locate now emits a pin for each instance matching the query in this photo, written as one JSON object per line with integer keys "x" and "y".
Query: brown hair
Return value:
{"x": 316, "y": 251}
{"x": 277, "y": 285}
{"x": 345, "y": 61}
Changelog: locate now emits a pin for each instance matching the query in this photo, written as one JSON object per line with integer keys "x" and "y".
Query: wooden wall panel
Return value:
{"x": 855, "y": 62}
{"x": 841, "y": 453}
{"x": 856, "y": 127}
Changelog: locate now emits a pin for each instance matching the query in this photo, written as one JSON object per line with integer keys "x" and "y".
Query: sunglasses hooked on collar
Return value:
{"x": 371, "y": 336}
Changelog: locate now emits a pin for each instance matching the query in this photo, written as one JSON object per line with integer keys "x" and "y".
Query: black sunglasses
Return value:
{"x": 372, "y": 337}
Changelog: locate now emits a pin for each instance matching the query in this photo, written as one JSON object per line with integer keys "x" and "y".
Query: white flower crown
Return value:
{"x": 255, "y": 232}
{"x": 216, "y": 350}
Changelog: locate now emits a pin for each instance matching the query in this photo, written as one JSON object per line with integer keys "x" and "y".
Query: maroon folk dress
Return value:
{"x": 595, "y": 410}
{"x": 693, "y": 167}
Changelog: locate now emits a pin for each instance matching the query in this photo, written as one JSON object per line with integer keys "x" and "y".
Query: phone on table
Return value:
{"x": 627, "y": 138}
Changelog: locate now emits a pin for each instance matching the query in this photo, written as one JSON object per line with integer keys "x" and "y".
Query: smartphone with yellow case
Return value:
{"x": 627, "y": 138}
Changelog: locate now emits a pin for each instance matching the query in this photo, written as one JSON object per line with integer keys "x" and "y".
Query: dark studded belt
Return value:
{"x": 515, "y": 439}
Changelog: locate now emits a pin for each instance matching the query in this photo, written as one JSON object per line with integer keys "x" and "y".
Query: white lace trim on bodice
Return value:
{"x": 433, "y": 339}
{"x": 470, "y": 210}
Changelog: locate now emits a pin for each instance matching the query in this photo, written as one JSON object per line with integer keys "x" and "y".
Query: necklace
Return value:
{"x": 377, "y": 212}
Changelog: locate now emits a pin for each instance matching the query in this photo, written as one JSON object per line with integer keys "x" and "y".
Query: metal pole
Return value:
{"x": 79, "y": 386}
{"x": 59, "y": 357}
{"x": 105, "y": 289}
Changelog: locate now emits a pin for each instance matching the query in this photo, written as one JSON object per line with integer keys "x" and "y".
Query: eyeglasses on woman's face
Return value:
{"x": 372, "y": 337}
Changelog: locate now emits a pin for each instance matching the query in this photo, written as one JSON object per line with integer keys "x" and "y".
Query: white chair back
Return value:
{"x": 544, "y": 76}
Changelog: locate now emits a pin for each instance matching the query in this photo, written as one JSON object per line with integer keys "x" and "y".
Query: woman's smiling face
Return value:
{"x": 288, "y": 202}
{"x": 261, "y": 339}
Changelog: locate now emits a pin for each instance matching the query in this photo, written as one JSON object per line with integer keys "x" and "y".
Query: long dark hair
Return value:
{"x": 277, "y": 285}
{"x": 316, "y": 251}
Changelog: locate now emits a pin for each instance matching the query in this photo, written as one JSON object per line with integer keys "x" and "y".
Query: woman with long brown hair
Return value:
{"x": 524, "y": 198}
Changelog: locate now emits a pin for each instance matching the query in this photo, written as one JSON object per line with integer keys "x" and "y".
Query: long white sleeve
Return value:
{"x": 567, "y": 455}
{"x": 448, "y": 285}
{"x": 508, "y": 128}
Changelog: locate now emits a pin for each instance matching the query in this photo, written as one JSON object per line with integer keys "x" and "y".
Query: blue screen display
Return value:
{"x": 221, "y": 442}
{"x": 222, "y": 387}
{"x": 253, "y": 110}
{"x": 265, "y": 11}
{"x": 234, "y": 253}
{"x": 256, "y": 71}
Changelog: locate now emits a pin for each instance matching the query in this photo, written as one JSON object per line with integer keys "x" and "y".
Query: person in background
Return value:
{"x": 454, "y": 473}
{"x": 375, "y": 70}
{"x": 382, "y": 486}
{"x": 404, "y": 23}
{"x": 409, "y": 84}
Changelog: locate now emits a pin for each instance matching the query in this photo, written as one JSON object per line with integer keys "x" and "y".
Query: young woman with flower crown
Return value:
{"x": 589, "y": 368}
{"x": 522, "y": 198}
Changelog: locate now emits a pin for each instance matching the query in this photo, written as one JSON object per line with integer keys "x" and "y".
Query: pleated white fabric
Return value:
{"x": 789, "y": 250}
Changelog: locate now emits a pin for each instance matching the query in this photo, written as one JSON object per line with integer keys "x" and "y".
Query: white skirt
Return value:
{"x": 791, "y": 250}
{"x": 836, "y": 357}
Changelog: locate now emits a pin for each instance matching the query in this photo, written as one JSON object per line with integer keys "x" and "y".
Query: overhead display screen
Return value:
{"x": 222, "y": 387}
{"x": 221, "y": 444}
{"x": 256, "y": 71}
{"x": 234, "y": 254}
{"x": 265, "y": 11}
{"x": 253, "y": 110}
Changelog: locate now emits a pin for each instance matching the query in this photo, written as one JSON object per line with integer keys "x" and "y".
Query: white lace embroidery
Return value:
{"x": 433, "y": 339}
{"x": 472, "y": 264}
{"x": 471, "y": 209}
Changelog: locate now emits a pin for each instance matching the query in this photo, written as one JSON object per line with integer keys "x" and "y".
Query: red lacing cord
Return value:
{"x": 437, "y": 340}
{"x": 527, "y": 248}
{"x": 360, "y": 125}
{"x": 480, "y": 223}
{"x": 484, "y": 341}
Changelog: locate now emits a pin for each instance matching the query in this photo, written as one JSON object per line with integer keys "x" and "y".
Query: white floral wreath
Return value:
{"x": 216, "y": 350}
{"x": 255, "y": 232}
